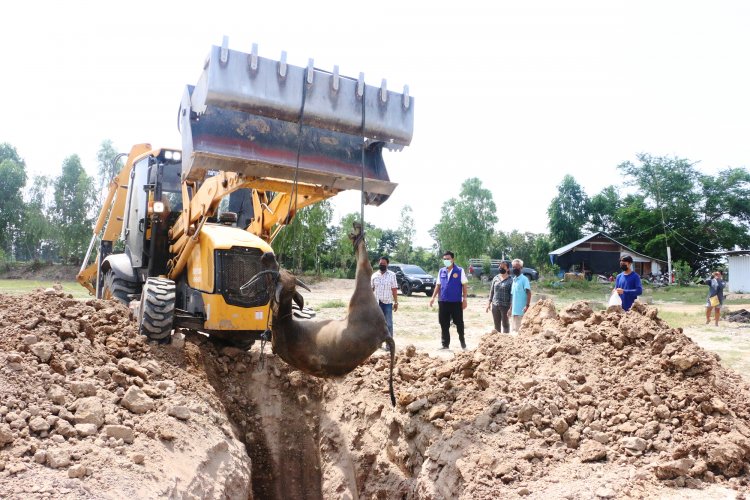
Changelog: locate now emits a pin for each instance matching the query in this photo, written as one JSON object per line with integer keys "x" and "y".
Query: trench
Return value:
{"x": 277, "y": 415}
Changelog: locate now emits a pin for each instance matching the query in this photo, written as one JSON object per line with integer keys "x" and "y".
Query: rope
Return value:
{"x": 362, "y": 160}
{"x": 295, "y": 188}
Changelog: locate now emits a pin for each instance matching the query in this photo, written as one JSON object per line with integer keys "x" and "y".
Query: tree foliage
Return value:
{"x": 567, "y": 212}
{"x": 301, "y": 244}
{"x": 674, "y": 205}
{"x": 532, "y": 248}
{"x": 73, "y": 195}
{"x": 36, "y": 239}
{"x": 466, "y": 223}
{"x": 405, "y": 233}
{"x": 12, "y": 181}
{"x": 107, "y": 167}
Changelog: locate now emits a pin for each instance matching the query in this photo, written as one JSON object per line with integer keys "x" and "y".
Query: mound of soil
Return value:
{"x": 580, "y": 404}
{"x": 89, "y": 410}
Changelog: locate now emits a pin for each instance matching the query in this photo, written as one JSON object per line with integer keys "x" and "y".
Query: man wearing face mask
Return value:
{"x": 452, "y": 291}
{"x": 628, "y": 283}
{"x": 385, "y": 286}
{"x": 520, "y": 294}
{"x": 500, "y": 299}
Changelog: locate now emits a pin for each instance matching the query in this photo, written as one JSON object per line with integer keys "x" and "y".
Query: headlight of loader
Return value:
{"x": 158, "y": 207}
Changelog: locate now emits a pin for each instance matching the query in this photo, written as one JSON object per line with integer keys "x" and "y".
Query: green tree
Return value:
{"x": 568, "y": 212}
{"x": 12, "y": 181}
{"x": 8, "y": 152}
{"x": 35, "y": 238}
{"x": 301, "y": 243}
{"x": 108, "y": 166}
{"x": 532, "y": 248}
{"x": 406, "y": 232}
{"x": 602, "y": 210}
{"x": 387, "y": 242}
{"x": 725, "y": 208}
{"x": 697, "y": 213}
{"x": 466, "y": 223}
{"x": 73, "y": 195}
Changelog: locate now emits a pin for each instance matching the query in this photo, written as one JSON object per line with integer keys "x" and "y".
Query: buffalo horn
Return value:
{"x": 300, "y": 283}
{"x": 255, "y": 278}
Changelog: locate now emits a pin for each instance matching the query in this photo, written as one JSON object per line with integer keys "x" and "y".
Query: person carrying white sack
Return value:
{"x": 628, "y": 283}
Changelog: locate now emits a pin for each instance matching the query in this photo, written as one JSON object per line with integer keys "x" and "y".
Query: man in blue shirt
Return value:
{"x": 451, "y": 290}
{"x": 520, "y": 294}
{"x": 628, "y": 283}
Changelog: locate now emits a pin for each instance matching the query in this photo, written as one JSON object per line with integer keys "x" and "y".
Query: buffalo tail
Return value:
{"x": 392, "y": 348}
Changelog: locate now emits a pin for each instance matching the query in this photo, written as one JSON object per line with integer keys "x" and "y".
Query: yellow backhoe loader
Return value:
{"x": 271, "y": 136}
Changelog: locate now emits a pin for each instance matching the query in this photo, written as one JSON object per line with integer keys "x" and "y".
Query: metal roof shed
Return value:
{"x": 738, "y": 264}
{"x": 599, "y": 253}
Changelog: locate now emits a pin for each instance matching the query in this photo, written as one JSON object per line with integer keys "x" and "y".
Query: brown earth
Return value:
{"x": 581, "y": 405}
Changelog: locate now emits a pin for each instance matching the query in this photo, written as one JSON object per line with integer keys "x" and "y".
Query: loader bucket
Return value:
{"x": 268, "y": 119}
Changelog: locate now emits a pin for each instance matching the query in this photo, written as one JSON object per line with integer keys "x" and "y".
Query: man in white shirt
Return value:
{"x": 385, "y": 286}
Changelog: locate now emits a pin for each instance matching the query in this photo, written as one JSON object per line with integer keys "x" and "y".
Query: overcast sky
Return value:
{"x": 515, "y": 93}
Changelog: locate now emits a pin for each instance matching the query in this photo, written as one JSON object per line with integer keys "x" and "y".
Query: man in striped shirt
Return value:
{"x": 385, "y": 286}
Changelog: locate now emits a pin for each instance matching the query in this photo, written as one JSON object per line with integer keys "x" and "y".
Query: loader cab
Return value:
{"x": 153, "y": 204}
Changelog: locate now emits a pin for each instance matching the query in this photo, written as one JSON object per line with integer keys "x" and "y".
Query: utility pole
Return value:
{"x": 664, "y": 226}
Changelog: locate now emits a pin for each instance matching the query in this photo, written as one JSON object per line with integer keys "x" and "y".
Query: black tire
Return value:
{"x": 406, "y": 288}
{"x": 119, "y": 289}
{"x": 156, "y": 310}
{"x": 429, "y": 294}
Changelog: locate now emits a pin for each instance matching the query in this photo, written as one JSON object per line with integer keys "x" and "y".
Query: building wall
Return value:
{"x": 739, "y": 273}
{"x": 596, "y": 262}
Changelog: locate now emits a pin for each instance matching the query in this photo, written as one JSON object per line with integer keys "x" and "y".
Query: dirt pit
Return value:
{"x": 579, "y": 405}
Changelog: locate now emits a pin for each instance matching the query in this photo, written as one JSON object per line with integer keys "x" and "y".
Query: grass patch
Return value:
{"x": 682, "y": 319}
{"x": 692, "y": 294}
{"x": 18, "y": 287}
{"x": 331, "y": 304}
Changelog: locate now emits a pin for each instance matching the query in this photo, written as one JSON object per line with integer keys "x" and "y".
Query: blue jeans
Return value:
{"x": 388, "y": 313}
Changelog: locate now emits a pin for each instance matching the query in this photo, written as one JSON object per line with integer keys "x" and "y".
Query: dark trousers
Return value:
{"x": 501, "y": 318}
{"x": 446, "y": 312}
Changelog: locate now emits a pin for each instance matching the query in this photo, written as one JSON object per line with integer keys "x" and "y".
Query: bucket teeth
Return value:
{"x": 254, "y": 57}
{"x": 335, "y": 78}
{"x": 282, "y": 65}
{"x": 263, "y": 117}
{"x": 361, "y": 85}
{"x": 224, "y": 58}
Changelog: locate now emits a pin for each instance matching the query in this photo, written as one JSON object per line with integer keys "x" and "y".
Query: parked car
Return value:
{"x": 412, "y": 279}
{"x": 476, "y": 270}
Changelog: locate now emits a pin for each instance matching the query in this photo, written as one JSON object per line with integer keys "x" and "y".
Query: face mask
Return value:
{"x": 624, "y": 267}
{"x": 503, "y": 271}
{"x": 383, "y": 267}
{"x": 447, "y": 263}
{"x": 516, "y": 272}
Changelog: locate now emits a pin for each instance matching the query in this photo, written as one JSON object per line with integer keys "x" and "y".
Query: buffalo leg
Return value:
{"x": 363, "y": 294}
{"x": 362, "y": 289}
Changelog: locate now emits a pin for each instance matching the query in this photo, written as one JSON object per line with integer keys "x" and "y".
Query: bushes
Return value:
{"x": 683, "y": 274}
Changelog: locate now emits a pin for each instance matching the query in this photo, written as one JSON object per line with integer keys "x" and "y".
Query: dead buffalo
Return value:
{"x": 328, "y": 348}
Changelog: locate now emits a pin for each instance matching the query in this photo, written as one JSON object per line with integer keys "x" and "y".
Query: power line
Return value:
{"x": 689, "y": 240}
{"x": 686, "y": 248}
